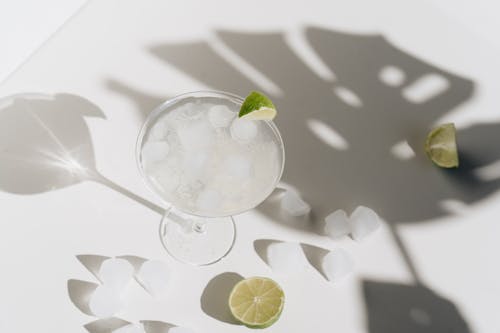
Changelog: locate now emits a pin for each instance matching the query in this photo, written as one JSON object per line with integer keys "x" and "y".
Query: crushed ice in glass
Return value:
{"x": 239, "y": 166}
{"x": 208, "y": 198}
{"x": 195, "y": 152}
{"x": 154, "y": 151}
{"x": 220, "y": 116}
{"x": 243, "y": 129}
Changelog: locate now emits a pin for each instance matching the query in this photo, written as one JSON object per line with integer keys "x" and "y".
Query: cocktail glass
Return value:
{"x": 207, "y": 165}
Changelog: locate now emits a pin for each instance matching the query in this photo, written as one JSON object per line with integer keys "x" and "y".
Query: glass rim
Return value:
{"x": 196, "y": 94}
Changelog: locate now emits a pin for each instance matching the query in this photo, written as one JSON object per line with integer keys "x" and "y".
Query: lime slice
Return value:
{"x": 441, "y": 146}
{"x": 257, "y": 106}
{"x": 257, "y": 302}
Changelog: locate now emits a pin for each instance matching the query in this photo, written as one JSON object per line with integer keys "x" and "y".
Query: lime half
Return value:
{"x": 257, "y": 106}
{"x": 441, "y": 146}
{"x": 257, "y": 302}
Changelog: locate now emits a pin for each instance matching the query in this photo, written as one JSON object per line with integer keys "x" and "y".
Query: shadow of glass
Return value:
{"x": 395, "y": 308}
{"x": 106, "y": 325}
{"x": 215, "y": 295}
{"x": 79, "y": 293}
{"x": 45, "y": 145}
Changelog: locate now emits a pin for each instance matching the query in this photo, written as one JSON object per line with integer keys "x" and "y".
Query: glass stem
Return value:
{"x": 199, "y": 227}
{"x": 188, "y": 225}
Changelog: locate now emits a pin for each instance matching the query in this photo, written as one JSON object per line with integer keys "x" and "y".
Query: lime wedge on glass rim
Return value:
{"x": 441, "y": 146}
{"x": 257, "y": 106}
{"x": 256, "y": 302}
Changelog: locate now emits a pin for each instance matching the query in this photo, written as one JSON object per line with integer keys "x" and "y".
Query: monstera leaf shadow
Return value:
{"x": 394, "y": 308}
{"x": 45, "y": 145}
{"x": 343, "y": 135}
{"x": 354, "y": 129}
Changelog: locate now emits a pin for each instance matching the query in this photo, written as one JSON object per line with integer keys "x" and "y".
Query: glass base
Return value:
{"x": 197, "y": 240}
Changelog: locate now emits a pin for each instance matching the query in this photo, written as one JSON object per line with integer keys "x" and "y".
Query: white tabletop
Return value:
{"x": 435, "y": 269}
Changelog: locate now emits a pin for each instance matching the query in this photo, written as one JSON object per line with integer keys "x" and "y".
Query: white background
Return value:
{"x": 110, "y": 41}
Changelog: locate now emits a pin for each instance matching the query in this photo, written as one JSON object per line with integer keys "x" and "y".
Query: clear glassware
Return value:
{"x": 206, "y": 165}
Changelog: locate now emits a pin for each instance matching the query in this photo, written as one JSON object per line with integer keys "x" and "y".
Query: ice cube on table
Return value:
{"x": 238, "y": 166}
{"x": 364, "y": 221}
{"x": 293, "y": 204}
{"x": 337, "y": 264}
{"x": 179, "y": 329}
{"x": 116, "y": 273}
{"x": 220, "y": 116}
{"x": 154, "y": 151}
{"x": 243, "y": 129}
{"x": 131, "y": 328}
{"x": 337, "y": 224}
{"x": 105, "y": 302}
{"x": 208, "y": 199}
{"x": 154, "y": 276}
{"x": 196, "y": 134}
{"x": 285, "y": 257}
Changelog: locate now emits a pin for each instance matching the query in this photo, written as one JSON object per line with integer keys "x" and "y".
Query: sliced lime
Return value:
{"x": 257, "y": 106}
{"x": 441, "y": 146}
{"x": 257, "y": 302}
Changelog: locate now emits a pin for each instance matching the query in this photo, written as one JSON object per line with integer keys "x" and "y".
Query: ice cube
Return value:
{"x": 194, "y": 163}
{"x": 293, "y": 205}
{"x": 285, "y": 258}
{"x": 208, "y": 199}
{"x": 337, "y": 264}
{"x": 364, "y": 221}
{"x": 105, "y": 302}
{"x": 188, "y": 190}
{"x": 154, "y": 151}
{"x": 167, "y": 181}
{"x": 337, "y": 224}
{"x": 116, "y": 273}
{"x": 238, "y": 166}
{"x": 198, "y": 134}
{"x": 178, "y": 329}
{"x": 154, "y": 276}
{"x": 131, "y": 328}
{"x": 189, "y": 111}
{"x": 159, "y": 131}
{"x": 220, "y": 116}
{"x": 243, "y": 129}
